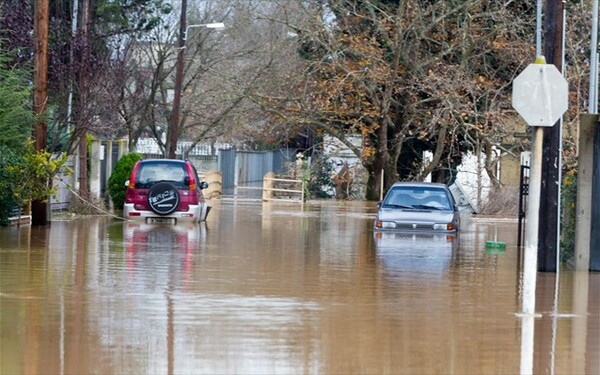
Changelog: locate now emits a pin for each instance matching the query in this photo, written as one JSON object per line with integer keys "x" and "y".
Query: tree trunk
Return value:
{"x": 383, "y": 162}
{"x": 437, "y": 155}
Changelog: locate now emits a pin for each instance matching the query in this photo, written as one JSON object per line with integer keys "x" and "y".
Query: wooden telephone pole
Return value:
{"x": 82, "y": 117}
{"x": 173, "y": 131}
{"x": 549, "y": 210}
{"x": 39, "y": 214}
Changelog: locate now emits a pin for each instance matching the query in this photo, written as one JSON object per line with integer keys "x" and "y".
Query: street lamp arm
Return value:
{"x": 173, "y": 134}
{"x": 216, "y": 25}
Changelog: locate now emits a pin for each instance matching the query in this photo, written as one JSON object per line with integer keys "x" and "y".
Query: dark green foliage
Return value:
{"x": 25, "y": 175}
{"x": 121, "y": 173}
{"x": 7, "y": 200}
{"x": 320, "y": 183}
{"x": 126, "y": 16}
{"x": 16, "y": 120}
{"x": 569, "y": 215}
{"x": 16, "y": 114}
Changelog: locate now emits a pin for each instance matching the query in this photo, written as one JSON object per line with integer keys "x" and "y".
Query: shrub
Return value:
{"x": 502, "y": 201}
{"x": 7, "y": 199}
{"x": 569, "y": 215}
{"x": 27, "y": 175}
{"x": 319, "y": 181}
{"x": 121, "y": 173}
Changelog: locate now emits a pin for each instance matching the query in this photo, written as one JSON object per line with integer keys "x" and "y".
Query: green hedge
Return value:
{"x": 121, "y": 173}
{"x": 569, "y": 215}
{"x": 7, "y": 200}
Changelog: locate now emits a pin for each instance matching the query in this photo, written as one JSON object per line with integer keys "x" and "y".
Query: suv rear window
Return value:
{"x": 151, "y": 172}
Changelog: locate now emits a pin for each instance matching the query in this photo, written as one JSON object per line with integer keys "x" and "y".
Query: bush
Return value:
{"x": 25, "y": 176}
{"x": 569, "y": 215}
{"x": 121, "y": 173}
{"x": 7, "y": 199}
{"x": 502, "y": 202}
{"x": 320, "y": 183}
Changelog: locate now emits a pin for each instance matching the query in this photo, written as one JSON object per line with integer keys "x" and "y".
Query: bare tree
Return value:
{"x": 221, "y": 69}
{"x": 408, "y": 77}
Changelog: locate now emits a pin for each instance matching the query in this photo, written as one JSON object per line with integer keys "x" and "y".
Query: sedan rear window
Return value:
{"x": 418, "y": 198}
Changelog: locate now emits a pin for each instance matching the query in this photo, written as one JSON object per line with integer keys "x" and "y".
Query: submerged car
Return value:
{"x": 165, "y": 191}
{"x": 418, "y": 206}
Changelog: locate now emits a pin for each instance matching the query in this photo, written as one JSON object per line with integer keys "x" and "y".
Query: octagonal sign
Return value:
{"x": 540, "y": 94}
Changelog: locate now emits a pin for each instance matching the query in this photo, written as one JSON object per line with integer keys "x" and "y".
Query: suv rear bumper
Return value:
{"x": 194, "y": 214}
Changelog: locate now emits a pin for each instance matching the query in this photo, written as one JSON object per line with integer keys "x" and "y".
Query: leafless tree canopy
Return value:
{"x": 405, "y": 76}
{"x": 412, "y": 76}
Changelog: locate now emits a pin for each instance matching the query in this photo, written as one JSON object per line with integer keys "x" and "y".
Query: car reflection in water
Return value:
{"x": 416, "y": 252}
{"x": 155, "y": 241}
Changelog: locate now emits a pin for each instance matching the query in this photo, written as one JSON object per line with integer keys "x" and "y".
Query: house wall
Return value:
{"x": 510, "y": 168}
{"x": 471, "y": 175}
{"x": 473, "y": 179}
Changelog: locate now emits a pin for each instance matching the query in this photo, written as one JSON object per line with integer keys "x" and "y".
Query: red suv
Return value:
{"x": 165, "y": 191}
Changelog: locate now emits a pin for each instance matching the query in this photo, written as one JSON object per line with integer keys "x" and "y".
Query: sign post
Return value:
{"x": 540, "y": 96}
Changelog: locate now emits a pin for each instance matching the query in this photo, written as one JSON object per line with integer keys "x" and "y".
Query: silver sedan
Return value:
{"x": 418, "y": 206}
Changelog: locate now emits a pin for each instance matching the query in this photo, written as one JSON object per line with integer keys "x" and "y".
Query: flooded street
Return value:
{"x": 274, "y": 289}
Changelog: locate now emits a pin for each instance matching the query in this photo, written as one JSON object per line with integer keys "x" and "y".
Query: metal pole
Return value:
{"x": 527, "y": 333}
{"x": 597, "y": 78}
{"x": 593, "y": 95}
{"x": 381, "y": 188}
{"x": 532, "y": 223}
{"x": 538, "y": 29}
{"x": 560, "y": 151}
{"x": 558, "y": 224}
{"x": 74, "y": 16}
{"x": 521, "y": 214}
{"x": 530, "y": 259}
{"x": 74, "y": 25}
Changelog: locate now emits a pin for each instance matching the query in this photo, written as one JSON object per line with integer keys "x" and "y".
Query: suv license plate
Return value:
{"x": 161, "y": 220}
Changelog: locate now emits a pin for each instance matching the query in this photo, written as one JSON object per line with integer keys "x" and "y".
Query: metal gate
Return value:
{"x": 523, "y": 193}
{"x": 246, "y": 169}
{"x": 226, "y": 165}
{"x": 251, "y": 167}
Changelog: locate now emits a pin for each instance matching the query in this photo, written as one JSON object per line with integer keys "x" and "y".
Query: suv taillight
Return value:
{"x": 192, "y": 185}
{"x": 134, "y": 175}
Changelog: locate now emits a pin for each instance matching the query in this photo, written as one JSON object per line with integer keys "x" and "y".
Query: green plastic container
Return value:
{"x": 495, "y": 247}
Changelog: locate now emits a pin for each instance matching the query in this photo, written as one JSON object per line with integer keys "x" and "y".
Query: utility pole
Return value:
{"x": 40, "y": 95}
{"x": 82, "y": 96}
{"x": 549, "y": 210}
{"x": 173, "y": 133}
{"x": 541, "y": 97}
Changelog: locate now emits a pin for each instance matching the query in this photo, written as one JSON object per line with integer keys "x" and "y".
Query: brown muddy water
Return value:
{"x": 268, "y": 289}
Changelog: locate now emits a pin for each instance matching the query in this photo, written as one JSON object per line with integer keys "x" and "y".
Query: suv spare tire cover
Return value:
{"x": 163, "y": 198}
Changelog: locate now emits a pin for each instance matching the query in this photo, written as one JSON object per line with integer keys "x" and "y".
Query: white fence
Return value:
{"x": 149, "y": 146}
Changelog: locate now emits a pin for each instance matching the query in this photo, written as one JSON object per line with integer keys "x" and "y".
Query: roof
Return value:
{"x": 164, "y": 160}
{"x": 420, "y": 184}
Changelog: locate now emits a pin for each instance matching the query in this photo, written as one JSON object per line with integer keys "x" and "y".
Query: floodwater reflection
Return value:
{"x": 280, "y": 289}
{"x": 426, "y": 254}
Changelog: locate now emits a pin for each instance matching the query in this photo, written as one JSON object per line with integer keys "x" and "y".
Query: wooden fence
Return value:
{"x": 282, "y": 189}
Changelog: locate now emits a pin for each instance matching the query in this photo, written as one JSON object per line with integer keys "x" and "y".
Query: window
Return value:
{"x": 418, "y": 197}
